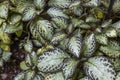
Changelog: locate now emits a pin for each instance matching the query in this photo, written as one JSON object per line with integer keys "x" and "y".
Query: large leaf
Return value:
{"x": 75, "y": 44}
{"x": 59, "y": 3}
{"x": 69, "y": 68}
{"x": 45, "y": 28}
{"x": 118, "y": 76}
{"x": 99, "y": 68}
{"x": 56, "y": 12}
{"x": 89, "y": 45}
{"x": 55, "y": 76}
{"x": 52, "y": 60}
{"x": 4, "y": 6}
{"x": 29, "y": 13}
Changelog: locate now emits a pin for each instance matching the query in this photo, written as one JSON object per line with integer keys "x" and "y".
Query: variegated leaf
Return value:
{"x": 31, "y": 59}
{"x": 116, "y": 63}
{"x": 52, "y": 60}
{"x": 59, "y": 3}
{"x": 78, "y": 11}
{"x": 34, "y": 58}
{"x": 38, "y": 77}
{"x": 6, "y": 55}
{"x": 85, "y": 26}
{"x": 28, "y": 60}
{"x": 39, "y": 3}
{"x": 106, "y": 23}
{"x": 15, "y": 18}
{"x": 29, "y": 75}
{"x": 12, "y": 28}
{"x": 56, "y": 12}
{"x": 116, "y": 24}
{"x": 69, "y": 68}
{"x": 63, "y": 43}
{"x": 60, "y": 22}
{"x": 37, "y": 43}
{"x": 75, "y": 44}
{"x": 86, "y": 78}
{"x": 92, "y": 3}
{"x": 102, "y": 39}
{"x": 110, "y": 52}
{"x": 28, "y": 46}
{"x": 89, "y": 45}
{"x": 55, "y": 76}
{"x": 117, "y": 76}
{"x": 34, "y": 30}
{"x": 111, "y": 32}
{"x": 99, "y": 68}
{"x": 19, "y": 76}
{"x": 116, "y": 6}
{"x": 114, "y": 44}
{"x": 112, "y": 49}
{"x": 29, "y": 13}
{"x": 4, "y": 6}
{"x": 91, "y": 19}
{"x": 58, "y": 37}
{"x": 45, "y": 28}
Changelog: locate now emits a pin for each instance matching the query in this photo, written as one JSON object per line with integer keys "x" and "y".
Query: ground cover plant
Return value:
{"x": 59, "y": 39}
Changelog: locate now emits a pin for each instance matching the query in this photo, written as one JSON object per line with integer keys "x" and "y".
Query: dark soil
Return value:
{"x": 12, "y": 67}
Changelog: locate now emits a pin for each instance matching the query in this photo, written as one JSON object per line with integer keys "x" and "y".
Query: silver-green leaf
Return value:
{"x": 55, "y": 76}
{"x": 75, "y": 44}
{"x": 99, "y": 68}
{"x": 52, "y": 60}
{"x": 69, "y": 68}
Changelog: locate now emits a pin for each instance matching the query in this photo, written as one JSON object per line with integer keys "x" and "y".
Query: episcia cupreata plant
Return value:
{"x": 67, "y": 39}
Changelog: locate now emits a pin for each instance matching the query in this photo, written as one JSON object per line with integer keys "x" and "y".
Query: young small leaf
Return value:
{"x": 69, "y": 68}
